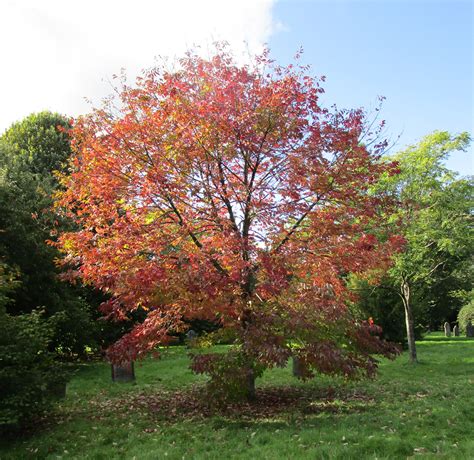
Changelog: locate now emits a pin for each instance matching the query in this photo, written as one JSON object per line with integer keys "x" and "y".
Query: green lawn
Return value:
{"x": 424, "y": 410}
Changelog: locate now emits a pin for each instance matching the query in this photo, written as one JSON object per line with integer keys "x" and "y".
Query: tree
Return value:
{"x": 445, "y": 294}
{"x": 380, "y": 301}
{"x": 39, "y": 143}
{"x": 227, "y": 193}
{"x": 435, "y": 215}
{"x": 30, "y": 151}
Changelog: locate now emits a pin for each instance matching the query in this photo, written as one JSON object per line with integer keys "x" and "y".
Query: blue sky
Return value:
{"x": 418, "y": 54}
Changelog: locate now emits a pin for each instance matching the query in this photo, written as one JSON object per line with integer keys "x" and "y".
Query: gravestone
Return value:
{"x": 456, "y": 331}
{"x": 191, "y": 337}
{"x": 297, "y": 366}
{"x": 469, "y": 329}
{"x": 123, "y": 372}
{"x": 191, "y": 334}
{"x": 447, "y": 329}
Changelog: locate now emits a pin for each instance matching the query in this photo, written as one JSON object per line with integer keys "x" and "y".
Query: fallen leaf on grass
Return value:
{"x": 150, "y": 430}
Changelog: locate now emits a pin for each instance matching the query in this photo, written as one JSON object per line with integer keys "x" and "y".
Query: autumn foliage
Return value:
{"x": 227, "y": 192}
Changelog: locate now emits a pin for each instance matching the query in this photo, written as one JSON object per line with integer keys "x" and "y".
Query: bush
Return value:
{"x": 229, "y": 375}
{"x": 74, "y": 330}
{"x": 29, "y": 376}
{"x": 465, "y": 315}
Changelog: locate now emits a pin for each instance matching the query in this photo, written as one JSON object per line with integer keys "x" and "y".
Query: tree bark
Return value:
{"x": 405, "y": 295}
{"x": 250, "y": 385}
{"x": 248, "y": 289}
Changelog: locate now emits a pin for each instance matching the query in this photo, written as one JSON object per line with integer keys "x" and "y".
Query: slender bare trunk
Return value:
{"x": 405, "y": 295}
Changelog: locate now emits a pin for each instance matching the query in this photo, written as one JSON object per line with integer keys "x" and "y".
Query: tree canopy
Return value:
{"x": 229, "y": 193}
{"x": 435, "y": 217}
{"x": 30, "y": 152}
{"x": 39, "y": 143}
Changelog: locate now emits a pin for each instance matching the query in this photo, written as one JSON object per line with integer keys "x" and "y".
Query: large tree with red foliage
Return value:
{"x": 226, "y": 192}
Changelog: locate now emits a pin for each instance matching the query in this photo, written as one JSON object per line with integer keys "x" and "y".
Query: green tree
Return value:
{"x": 30, "y": 151}
{"x": 381, "y": 302}
{"x": 39, "y": 143}
{"x": 434, "y": 215}
{"x": 447, "y": 292}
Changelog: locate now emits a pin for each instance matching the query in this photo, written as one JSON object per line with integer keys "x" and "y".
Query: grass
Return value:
{"x": 425, "y": 410}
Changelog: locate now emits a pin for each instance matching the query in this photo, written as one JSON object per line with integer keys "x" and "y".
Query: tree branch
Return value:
{"x": 195, "y": 239}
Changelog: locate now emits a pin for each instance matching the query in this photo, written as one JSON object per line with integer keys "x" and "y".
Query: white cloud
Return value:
{"x": 55, "y": 53}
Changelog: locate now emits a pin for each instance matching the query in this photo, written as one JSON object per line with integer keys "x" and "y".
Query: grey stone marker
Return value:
{"x": 297, "y": 370}
{"x": 191, "y": 336}
{"x": 447, "y": 329}
{"x": 469, "y": 329}
{"x": 123, "y": 372}
{"x": 456, "y": 331}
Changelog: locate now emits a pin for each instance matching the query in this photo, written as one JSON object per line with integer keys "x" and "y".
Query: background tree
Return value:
{"x": 227, "y": 192}
{"x": 447, "y": 291}
{"x": 380, "y": 301}
{"x": 30, "y": 151}
{"x": 435, "y": 217}
{"x": 39, "y": 144}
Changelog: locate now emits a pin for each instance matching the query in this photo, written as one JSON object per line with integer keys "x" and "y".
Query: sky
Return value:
{"x": 418, "y": 54}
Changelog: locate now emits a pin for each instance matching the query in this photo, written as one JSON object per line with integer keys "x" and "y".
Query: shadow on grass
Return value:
{"x": 270, "y": 402}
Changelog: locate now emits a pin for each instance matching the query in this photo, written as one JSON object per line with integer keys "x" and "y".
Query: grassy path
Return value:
{"x": 408, "y": 411}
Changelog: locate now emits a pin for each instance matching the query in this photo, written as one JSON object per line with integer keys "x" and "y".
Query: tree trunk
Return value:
{"x": 246, "y": 320}
{"x": 405, "y": 295}
{"x": 250, "y": 389}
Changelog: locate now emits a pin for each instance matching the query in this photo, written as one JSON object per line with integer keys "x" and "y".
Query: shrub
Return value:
{"x": 466, "y": 314}
{"x": 229, "y": 378}
{"x": 29, "y": 376}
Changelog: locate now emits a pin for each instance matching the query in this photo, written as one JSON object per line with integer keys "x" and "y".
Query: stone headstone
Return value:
{"x": 123, "y": 372}
{"x": 297, "y": 367}
{"x": 447, "y": 329}
{"x": 456, "y": 331}
{"x": 469, "y": 329}
{"x": 191, "y": 336}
